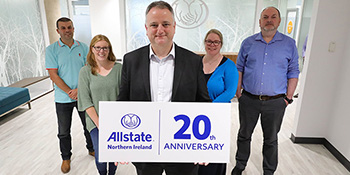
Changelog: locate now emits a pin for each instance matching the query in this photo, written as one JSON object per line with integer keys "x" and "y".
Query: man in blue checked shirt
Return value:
{"x": 268, "y": 74}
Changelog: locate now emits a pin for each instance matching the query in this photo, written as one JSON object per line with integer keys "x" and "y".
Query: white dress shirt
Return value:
{"x": 162, "y": 76}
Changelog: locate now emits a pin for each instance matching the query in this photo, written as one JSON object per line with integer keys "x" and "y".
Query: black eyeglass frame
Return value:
{"x": 209, "y": 42}
{"x": 101, "y": 48}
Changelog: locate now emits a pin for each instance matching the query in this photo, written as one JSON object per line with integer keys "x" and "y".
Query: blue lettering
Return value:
{"x": 210, "y": 146}
{"x": 199, "y": 146}
{"x": 126, "y": 138}
{"x": 221, "y": 145}
{"x": 148, "y": 137}
{"x": 193, "y": 146}
{"x": 180, "y": 133}
{"x": 207, "y": 127}
{"x": 131, "y": 136}
{"x": 137, "y": 137}
{"x": 205, "y": 146}
{"x": 121, "y": 137}
{"x": 112, "y": 137}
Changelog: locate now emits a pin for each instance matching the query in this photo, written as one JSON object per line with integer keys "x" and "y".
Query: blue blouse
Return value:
{"x": 222, "y": 84}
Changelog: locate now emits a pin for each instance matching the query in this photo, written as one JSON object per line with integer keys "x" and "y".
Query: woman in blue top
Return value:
{"x": 222, "y": 79}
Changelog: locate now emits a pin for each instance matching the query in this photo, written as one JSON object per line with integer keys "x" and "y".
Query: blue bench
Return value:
{"x": 13, "y": 97}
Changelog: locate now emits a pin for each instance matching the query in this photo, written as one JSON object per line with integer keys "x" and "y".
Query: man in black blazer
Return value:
{"x": 163, "y": 72}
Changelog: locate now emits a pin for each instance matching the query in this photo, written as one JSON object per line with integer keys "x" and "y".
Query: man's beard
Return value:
{"x": 269, "y": 29}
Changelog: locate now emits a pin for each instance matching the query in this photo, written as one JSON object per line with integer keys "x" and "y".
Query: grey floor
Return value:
{"x": 28, "y": 145}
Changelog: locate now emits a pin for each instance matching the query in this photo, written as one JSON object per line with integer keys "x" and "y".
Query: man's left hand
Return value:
{"x": 73, "y": 94}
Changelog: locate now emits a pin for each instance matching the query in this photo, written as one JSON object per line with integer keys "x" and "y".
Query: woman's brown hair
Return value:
{"x": 91, "y": 57}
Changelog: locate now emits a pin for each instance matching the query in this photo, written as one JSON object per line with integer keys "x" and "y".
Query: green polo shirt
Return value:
{"x": 68, "y": 62}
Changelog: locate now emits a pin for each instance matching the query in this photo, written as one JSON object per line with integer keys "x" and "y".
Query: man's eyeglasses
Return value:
{"x": 101, "y": 48}
{"x": 209, "y": 42}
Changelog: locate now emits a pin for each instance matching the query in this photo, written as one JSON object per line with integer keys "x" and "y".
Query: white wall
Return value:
{"x": 107, "y": 18}
{"x": 259, "y": 7}
{"x": 64, "y": 8}
{"x": 323, "y": 102}
{"x": 339, "y": 124}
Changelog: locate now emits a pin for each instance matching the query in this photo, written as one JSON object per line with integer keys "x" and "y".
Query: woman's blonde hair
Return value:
{"x": 91, "y": 57}
{"x": 215, "y": 31}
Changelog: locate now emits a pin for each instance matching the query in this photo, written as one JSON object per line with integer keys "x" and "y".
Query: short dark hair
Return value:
{"x": 63, "y": 19}
{"x": 279, "y": 14}
{"x": 161, "y": 5}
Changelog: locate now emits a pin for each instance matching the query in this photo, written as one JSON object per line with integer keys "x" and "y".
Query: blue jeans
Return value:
{"x": 64, "y": 113}
{"x": 101, "y": 166}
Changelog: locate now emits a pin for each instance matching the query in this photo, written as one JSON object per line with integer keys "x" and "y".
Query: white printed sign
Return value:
{"x": 164, "y": 132}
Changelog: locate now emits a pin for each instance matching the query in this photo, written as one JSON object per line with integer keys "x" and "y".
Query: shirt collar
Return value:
{"x": 277, "y": 37}
{"x": 171, "y": 53}
{"x": 75, "y": 43}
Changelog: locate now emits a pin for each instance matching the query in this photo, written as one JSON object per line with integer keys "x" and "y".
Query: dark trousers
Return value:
{"x": 101, "y": 166}
{"x": 271, "y": 112}
{"x": 169, "y": 168}
{"x": 64, "y": 113}
{"x": 212, "y": 169}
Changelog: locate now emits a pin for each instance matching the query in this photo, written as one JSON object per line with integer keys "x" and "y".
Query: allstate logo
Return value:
{"x": 130, "y": 121}
{"x": 190, "y": 14}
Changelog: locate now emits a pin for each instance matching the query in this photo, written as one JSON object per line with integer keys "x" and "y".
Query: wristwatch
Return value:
{"x": 290, "y": 101}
